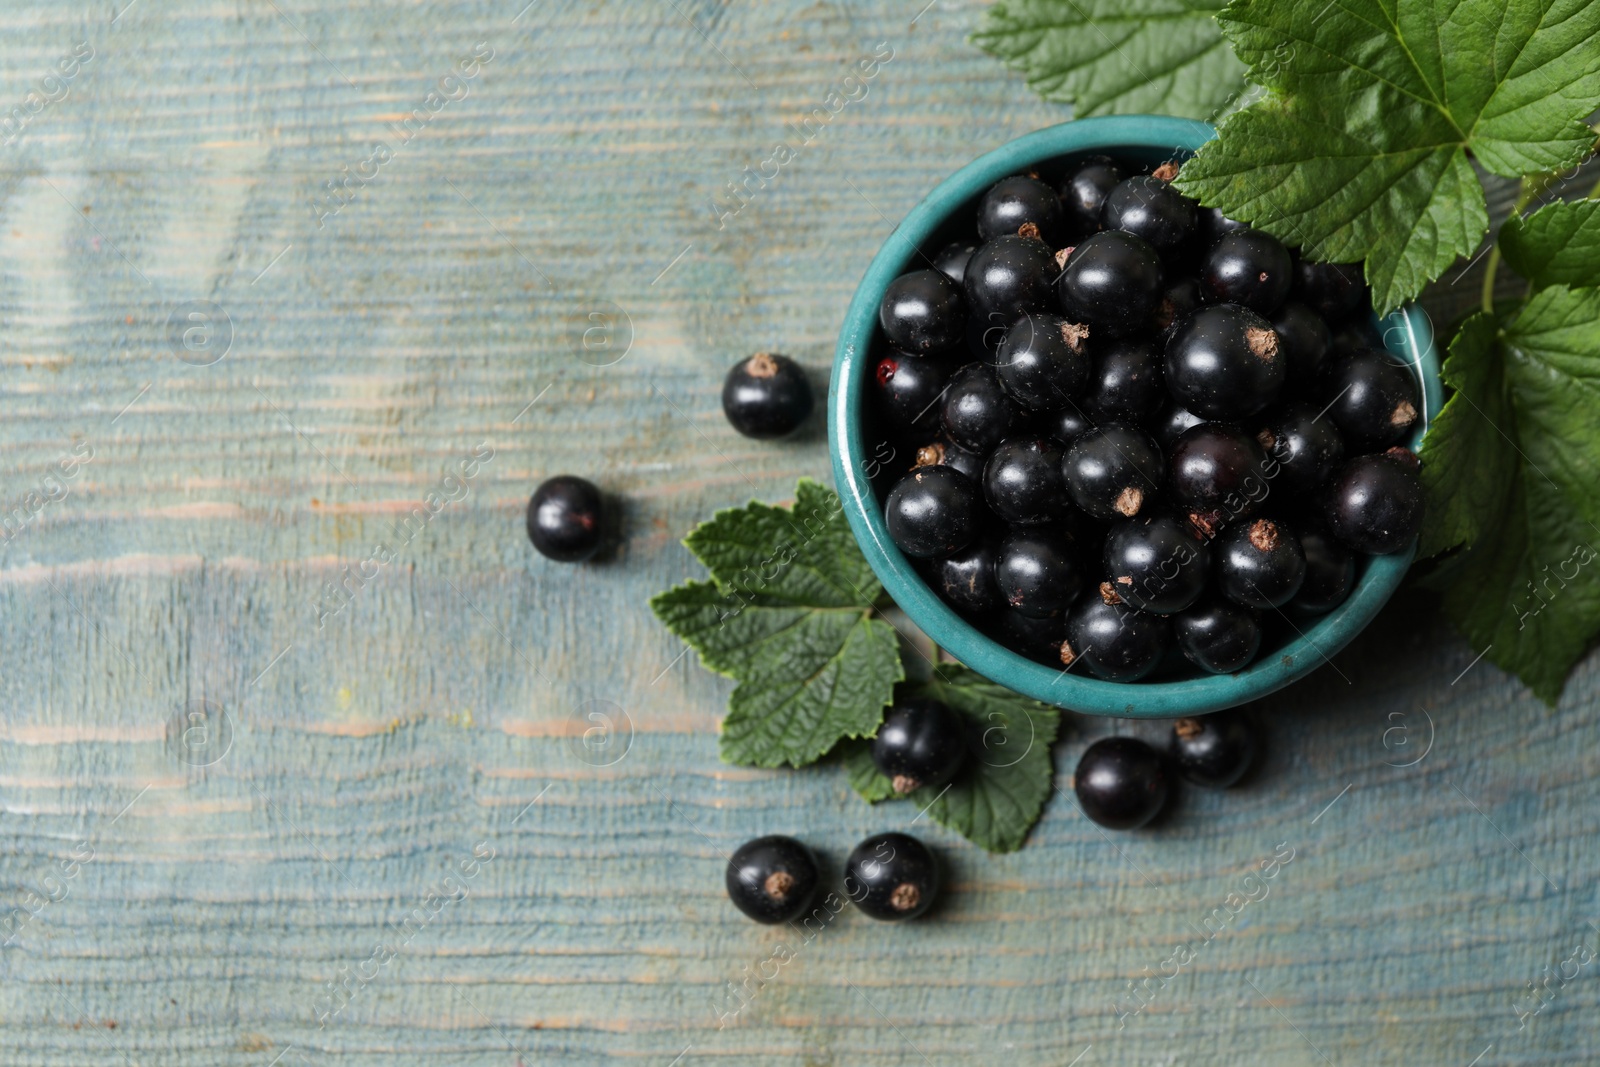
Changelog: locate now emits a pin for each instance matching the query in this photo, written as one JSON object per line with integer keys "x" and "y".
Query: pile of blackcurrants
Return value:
{"x": 1136, "y": 424}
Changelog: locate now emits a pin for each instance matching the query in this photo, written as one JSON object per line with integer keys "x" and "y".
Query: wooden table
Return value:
{"x": 231, "y": 788}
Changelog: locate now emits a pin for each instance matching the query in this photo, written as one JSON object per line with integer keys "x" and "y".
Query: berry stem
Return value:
{"x": 1532, "y": 185}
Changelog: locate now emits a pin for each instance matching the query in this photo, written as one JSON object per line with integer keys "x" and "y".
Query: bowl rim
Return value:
{"x": 1407, "y": 333}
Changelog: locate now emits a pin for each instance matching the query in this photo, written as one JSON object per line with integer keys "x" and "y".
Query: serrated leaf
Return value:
{"x": 1526, "y": 588}
{"x": 787, "y": 615}
{"x": 1361, "y": 151}
{"x": 1557, "y": 245}
{"x": 999, "y": 796}
{"x": 1117, "y": 56}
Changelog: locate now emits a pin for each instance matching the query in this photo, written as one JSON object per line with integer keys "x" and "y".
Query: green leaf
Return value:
{"x": 787, "y": 615}
{"x": 1117, "y": 56}
{"x": 1001, "y": 793}
{"x": 1523, "y": 441}
{"x": 1557, "y": 245}
{"x": 1361, "y": 150}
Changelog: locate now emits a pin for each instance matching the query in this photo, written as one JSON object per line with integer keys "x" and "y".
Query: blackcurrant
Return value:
{"x": 1008, "y": 276}
{"x": 1044, "y": 361}
{"x": 1214, "y": 751}
{"x": 907, "y": 391}
{"x": 1374, "y": 503}
{"x": 1225, "y": 363}
{"x": 1150, "y": 208}
{"x": 772, "y": 879}
{"x": 1156, "y": 564}
{"x": 1178, "y": 301}
{"x": 1304, "y": 445}
{"x": 1372, "y": 399}
{"x": 1022, "y": 205}
{"x": 923, "y": 312}
{"x": 1172, "y": 422}
{"x": 1217, "y": 468}
{"x": 1249, "y": 268}
{"x": 1355, "y": 335}
{"x": 1303, "y": 341}
{"x": 1112, "y": 280}
{"x": 1218, "y": 635}
{"x": 921, "y": 743}
{"x": 1036, "y": 572}
{"x": 1260, "y": 564}
{"x": 1038, "y": 639}
{"x": 1068, "y": 423}
{"x": 977, "y": 413}
{"x": 1112, "y": 472}
{"x": 891, "y": 877}
{"x": 951, "y": 260}
{"x": 1213, "y": 225}
{"x": 1335, "y": 291}
{"x": 766, "y": 396}
{"x": 1120, "y": 783}
{"x": 1112, "y": 640}
{"x": 932, "y": 511}
{"x": 565, "y": 519}
{"x": 1330, "y": 574}
{"x": 1083, "y": 192}
{"x": 1126, "y": 383}
{"x": 1023, "y": 482}
{"x": 966, "y": 579}
{"x": 949, "y": 454}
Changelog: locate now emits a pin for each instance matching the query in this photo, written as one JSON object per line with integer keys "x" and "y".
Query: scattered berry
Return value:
{"x": 1224, "y": 363}
{"x": 1214, "y": 751}
{"x": 1218, "y": 636}
{"x": 1374, "y": 503}
{"x": 772, "y": 879}
{"x": 921, "y": 743}
{"x": 892, "y": 877}
{"x": 1120, "y": 783}
{"x": 766, "y": 396}
{"x": 564, "y": 519}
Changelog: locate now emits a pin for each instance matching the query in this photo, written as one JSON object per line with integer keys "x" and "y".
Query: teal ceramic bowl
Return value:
{"x": 861, "y": 455}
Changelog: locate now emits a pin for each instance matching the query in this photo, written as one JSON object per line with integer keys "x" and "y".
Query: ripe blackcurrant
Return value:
{"x": 1218, "y": 468}
{"x": 966, "y": 579}
{"x": 1335, "y": 291}
{"x": 932, "y": 511}
{"x": 1306, "y": 447}
{"x": 1214, "y": 751}
{"x": 1213, "y": 225}
{"x": 1126, "y": 383}
{"x": 907, "y": 391}
{"x": 1008, "y": 276}
{"x": 951, "y": 260}
{"x": 1112, "y": 640}
{"x": 1172, "y": 422}
{"x": 1038, "y": 639}
{"x": 1083, "y": 193}
{"x": 892, "y": 877}
{"x": 1250, "y": 268}
{"x": 921, "y": 743}
{"x": 1068, "y": 423}
{"x": 1043, "y": 362}
{"x": 1303, "y": 341}
{"x": 1120, "y": 783}
{"x": 922, "y": 312}
{"x": 1112, "y": 472}
{"x": 1225, "y": 363}
{"x": 1373, "y": 400}
{"x": 1112, "y": 280}
{"x": 1014, "y": 204}
{"x": 1178, "y": 301}
{"x": 1036, "y": 572}
{"x": 1023, "y": 482}
{"x": 772, "y": 879}
{"x": 1330, "y": 574}
{"x": 1156, "y": 564}
{"x": 1218, "y": 635}
{"x": 1150, "y": 208}
{"x": 1374, "y": 503}
{"x": 565, "y": 519}
{"x": 766, "y": 396}
{"x": 949, "y": 454}
{"x": 1260, "y": 564}
{"x": 977, "y": 413}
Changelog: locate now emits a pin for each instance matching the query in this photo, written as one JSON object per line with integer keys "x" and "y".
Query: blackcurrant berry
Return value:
{"x": 1112, "y": 640}
{"x": 1330, "y": 574}
{"x": 1150, "y": 208}
{"x": 1304, "y": 445}
{"x": 966, "y": 579}
{"x": 1156, "y": 564}
{"x": 921, "y": 743}
{"x": 1260, "y": 564}
{"x": 1120, "y": 783}
{"x": 907, "y": 391}
{"x": 1218, "y": 635}
{"x": 977, "y": 413}
{"x": 565, "y": 519}
{"x": 1068, "y": 423}
{"x": 1178, "y": 301}
{"x": 1214, "y": 751}
{"x": 1023, "y": 482}
{"x": 1036, "y": 572}
{"x": 1336, "y": 291}
{"x": 892, "y": 877}
{"x": 1373, "y": 400}
{"x": 772, "y": 879}
{"x": 932, "y": 511}
{"x": 1083, "y": 193}
{"x": 1225, "y": 363}
{"x": 1250, "y": 268}
{"x": 1374, "y": 503}
{"x": 1009, "y": 276}
{"x": 1172, "y": 422}
{"x": 1303, "y": 340}
{"x": 1112, "y": 280}
{"x": 1126, "y": 383}
{"x": 951, "y": 260}
{"x": 943, "y": 453}
{"x": 1216, "y": 468}
{"x": 1038, "y": 639}
{"x": 923, "y": 312}
{"x": 1021, "y": 205}
{"x": 766, "y": 396}
{"x": 1213, "y": 225}
{"x": 1112, "y": 472}
{"x": 1043, "y": 362}
{"x": 1355, "y": 335}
